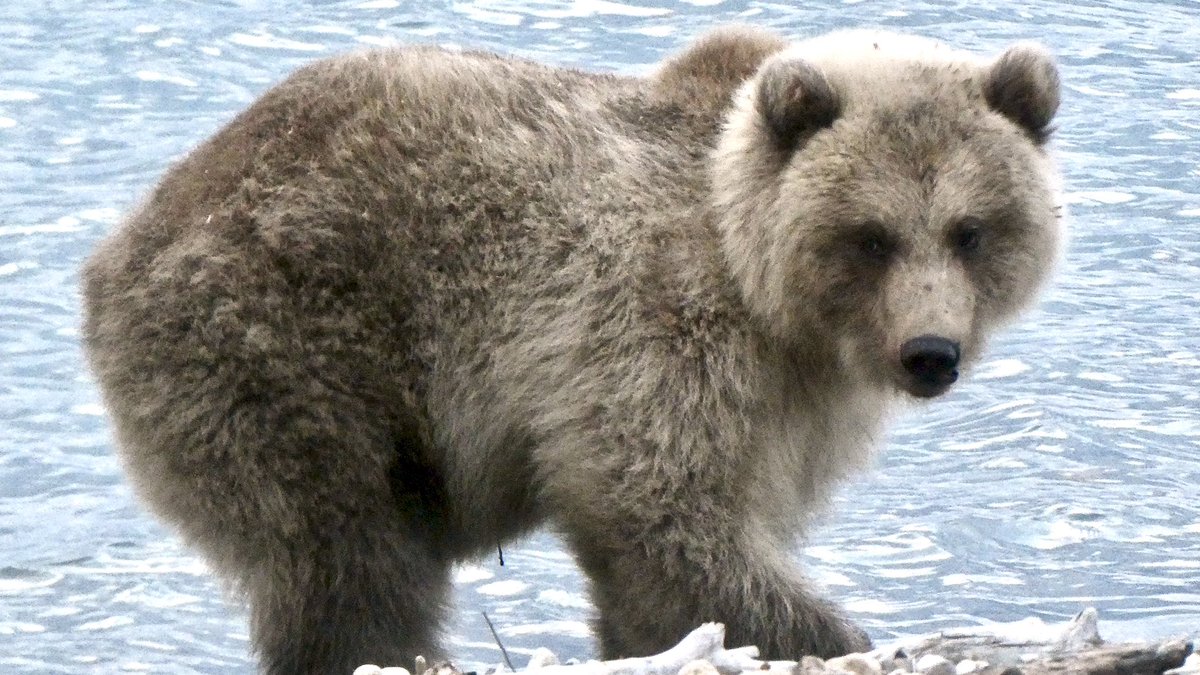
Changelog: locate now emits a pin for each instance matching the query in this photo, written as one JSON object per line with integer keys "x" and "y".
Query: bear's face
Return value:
{"x": 890, "y": 204}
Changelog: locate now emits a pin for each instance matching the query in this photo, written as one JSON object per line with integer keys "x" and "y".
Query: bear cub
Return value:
{"x": 414, "y": 303}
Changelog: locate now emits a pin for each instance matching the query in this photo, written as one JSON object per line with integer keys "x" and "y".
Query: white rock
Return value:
{"x": 540, "y": 658}
{"x": 900, "y": 671}
{"x": 859, "y": 664}
{"x": 932, "y": 664}
{"x": 1082, "y": 632}
{"x": 394, "y": 670}
{"x": 698, "y": 667}
{"x": 894, "y": 659}
{"x": 368, "y": 669}
{"x": 969, "y": 666}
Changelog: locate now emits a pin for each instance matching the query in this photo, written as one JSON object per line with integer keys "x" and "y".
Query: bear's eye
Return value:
{"x": 873, "y": 242}
{"x": 966, "y": 236}
{"x": 874, "y": 246}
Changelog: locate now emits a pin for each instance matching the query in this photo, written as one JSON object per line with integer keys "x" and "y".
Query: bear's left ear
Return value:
{"x": 795, "y": 100}
{"x": 1023, "y": 86}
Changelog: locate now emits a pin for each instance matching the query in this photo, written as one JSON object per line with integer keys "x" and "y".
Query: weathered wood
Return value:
{"x": 706, "y": 643}
{"x": 1079, "y": 649}
{"x": 1076, "y": 649}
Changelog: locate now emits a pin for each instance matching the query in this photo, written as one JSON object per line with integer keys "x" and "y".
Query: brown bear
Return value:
{"x": 414, "y": 303}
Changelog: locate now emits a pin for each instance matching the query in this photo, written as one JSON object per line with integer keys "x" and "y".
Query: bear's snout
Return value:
{"x": 932, "y": 364}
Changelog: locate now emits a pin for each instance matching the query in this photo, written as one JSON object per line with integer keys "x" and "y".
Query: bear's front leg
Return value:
{"x": 657, "y": 572}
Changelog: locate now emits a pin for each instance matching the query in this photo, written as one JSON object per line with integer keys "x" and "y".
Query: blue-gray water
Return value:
{"x": 1065, "y": 474}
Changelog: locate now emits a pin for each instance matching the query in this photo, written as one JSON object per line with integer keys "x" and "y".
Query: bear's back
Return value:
{"x": 373, "y": 203}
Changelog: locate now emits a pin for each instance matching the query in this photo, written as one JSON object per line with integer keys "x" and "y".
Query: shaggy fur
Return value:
{"x": 414, "y": 303}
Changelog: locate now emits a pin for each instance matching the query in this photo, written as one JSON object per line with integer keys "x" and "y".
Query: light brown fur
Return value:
{"x": 412, "y": 304}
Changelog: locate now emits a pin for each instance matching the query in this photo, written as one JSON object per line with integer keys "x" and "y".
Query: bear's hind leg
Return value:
{"x": 362, "y": 575}
{"x": 367, "y": 597}
{"x": 309, "y": 503}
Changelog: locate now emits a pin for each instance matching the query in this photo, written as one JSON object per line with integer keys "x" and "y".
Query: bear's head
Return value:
{"x": 885, "y": 201}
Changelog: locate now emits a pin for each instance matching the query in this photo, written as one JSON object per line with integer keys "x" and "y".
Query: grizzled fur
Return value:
{"x": 414, "y": 303}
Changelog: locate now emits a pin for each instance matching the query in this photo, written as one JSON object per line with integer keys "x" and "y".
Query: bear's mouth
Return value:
{"x": 930, "y": 385}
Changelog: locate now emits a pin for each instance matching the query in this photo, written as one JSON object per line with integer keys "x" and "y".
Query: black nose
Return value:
{"x": 931, "y": 360}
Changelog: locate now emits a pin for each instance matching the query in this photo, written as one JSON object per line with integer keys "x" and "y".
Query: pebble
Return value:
{"x": 859, "y": 664}
{"x": 969, "y": 666}
{"x": 540, "y": 658}
{"x": 898, "y": 660}
{"x": 932, "y": 664}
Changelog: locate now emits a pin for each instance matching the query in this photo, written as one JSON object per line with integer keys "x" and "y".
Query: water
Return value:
{"x": 1064, "y": 475}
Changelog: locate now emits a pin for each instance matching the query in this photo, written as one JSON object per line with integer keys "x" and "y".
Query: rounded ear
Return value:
{"x": 1023, "y": 86}
{"x": 795, "y": 100}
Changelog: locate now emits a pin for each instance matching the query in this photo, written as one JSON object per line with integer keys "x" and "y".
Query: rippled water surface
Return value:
{"x": 1065, "y": 474}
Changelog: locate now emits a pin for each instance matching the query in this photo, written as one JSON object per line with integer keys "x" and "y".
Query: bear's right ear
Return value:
{"x": 1023, "y": 86}
{"x": 795, "y": 100}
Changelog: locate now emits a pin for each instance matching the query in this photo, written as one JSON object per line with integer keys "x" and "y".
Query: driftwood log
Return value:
{"x": 1014, "y": 649}
{"x": 1077, "y": 648}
